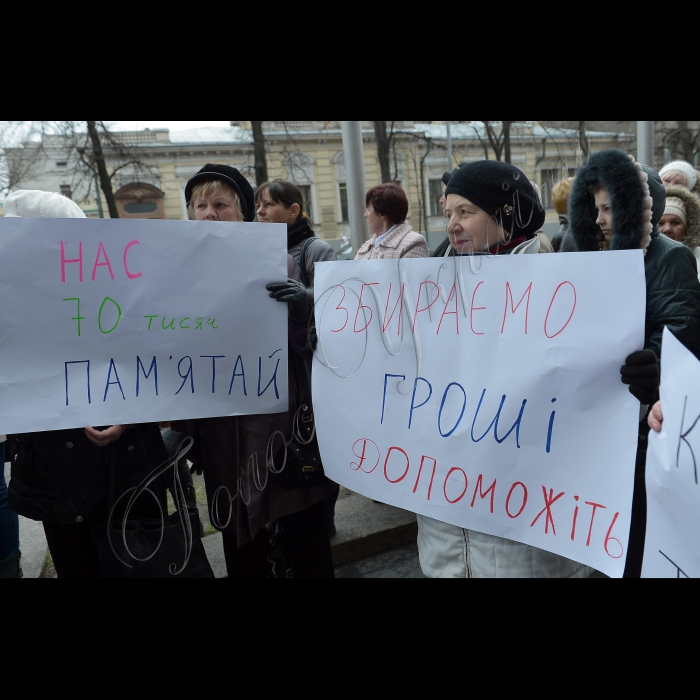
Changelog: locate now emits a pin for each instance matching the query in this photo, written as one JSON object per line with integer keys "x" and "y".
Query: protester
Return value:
{"x": 231, "y": 452}
{"x": 393, "y": 237}
{"x": 10, "y": 554}
{"x": 616, "y": 204}
{"x": 61, "y": 477}
{"x": 656, "y": 417}
{"x": 679, "y": 173}
{"x": 560, "y": 199}
{"x": 486, "y": 218}
{"x": 281, "y": 202}
{"x": 681, "y": 219}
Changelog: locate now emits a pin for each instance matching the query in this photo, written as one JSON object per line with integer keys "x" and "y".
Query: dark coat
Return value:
{"x": 60, "y": 477}
{"x": 673, "y": 290}
{"x": 243, "y": 495}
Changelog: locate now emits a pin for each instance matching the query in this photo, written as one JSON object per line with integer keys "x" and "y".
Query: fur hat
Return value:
{"x": 637, "y": 199}
{"x": 682, "y": 168}
{"x": 675, "y": 207}
{"x": 691, "y": 206}
{"x": 37, "y": 204}
{"x": 230, "y": 176}
{"x": 503, "y": 191}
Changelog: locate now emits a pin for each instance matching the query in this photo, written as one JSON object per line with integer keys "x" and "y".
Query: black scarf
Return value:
{"x": 299, "y": 231}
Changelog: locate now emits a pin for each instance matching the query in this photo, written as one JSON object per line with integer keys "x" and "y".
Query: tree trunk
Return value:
{"x": 383, "y": 150}
{"x": 99, "y": 160}
{"x": 687, "y": 146}
{"x": 506, "y": 141}
{"x": 583, "y": 139}
{"x": 259, "y": 153}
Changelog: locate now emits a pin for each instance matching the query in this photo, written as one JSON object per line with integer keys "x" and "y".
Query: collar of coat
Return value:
{"x": 620, "y": 177}
{"x": 393, "y": 240}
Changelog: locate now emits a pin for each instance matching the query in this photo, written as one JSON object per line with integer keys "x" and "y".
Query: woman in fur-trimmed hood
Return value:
{"x": 616, "y": 204}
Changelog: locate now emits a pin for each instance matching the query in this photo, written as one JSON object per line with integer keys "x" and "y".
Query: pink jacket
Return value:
{"x": 402, "y": 242}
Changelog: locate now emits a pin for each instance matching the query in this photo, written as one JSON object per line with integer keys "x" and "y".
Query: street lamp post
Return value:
{"x": 449, "y": 146}
{"x": 353, "y": 154}
{"x": 645, "y": 143}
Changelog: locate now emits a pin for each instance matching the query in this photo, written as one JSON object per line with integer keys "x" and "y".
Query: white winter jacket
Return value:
{"x": 447, "y": 551}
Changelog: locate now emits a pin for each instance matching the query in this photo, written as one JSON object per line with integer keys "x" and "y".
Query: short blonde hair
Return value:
{"x": 560, "y": 195}
{"x": 208, "y": 188}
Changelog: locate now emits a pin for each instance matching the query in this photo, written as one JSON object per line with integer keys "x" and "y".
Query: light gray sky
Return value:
{"x": 173, "y": 126}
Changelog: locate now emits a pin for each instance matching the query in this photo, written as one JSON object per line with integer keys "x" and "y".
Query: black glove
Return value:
{"x": 312, "y": 339}
{"x": 196, "y": 468}
{"x": 641, "y": 373}
{"x": 294, "y": 293}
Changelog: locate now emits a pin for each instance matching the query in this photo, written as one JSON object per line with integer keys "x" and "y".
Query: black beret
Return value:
{"x": 503, "y": 191}
{"x": 231, "y": 177}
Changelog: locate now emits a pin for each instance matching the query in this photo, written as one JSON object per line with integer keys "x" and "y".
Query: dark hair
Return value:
{"x": 389, "y": 200}
{"x": 284, "y": 193}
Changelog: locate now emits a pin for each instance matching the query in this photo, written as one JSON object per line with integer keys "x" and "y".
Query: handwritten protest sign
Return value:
{"x": 108, "y": 321}
{"x": 485, "y": 392}
{"x": 672, "y": 544}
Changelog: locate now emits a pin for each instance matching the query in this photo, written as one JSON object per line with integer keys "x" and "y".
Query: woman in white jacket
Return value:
{"x": 483, "y": 221}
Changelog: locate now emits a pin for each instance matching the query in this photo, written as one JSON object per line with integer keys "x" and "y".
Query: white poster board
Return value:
{"x": 485, "y": 392}
{"x": 672, "y": 543}
{"x": 113, "y": 321}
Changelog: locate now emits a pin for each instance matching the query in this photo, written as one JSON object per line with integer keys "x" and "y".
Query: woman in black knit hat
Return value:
{"x": 493, "y": 209}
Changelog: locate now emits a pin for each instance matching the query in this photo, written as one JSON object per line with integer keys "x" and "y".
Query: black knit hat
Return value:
{"x": 446, "y": 177}
{"x": 503, "y": 191}
{"x": 231, "y": 177}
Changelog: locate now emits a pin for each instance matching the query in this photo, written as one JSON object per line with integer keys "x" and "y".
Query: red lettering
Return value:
{"x": 453, "y": 292}
{"x": 590, "y": 529}
{"x": 386, "y": 461}
{"x": 432, "y": 476}
{"x": 339, "y": 308}
{"x": 386, "y": 323}
{"x": 130, "y": 275}
{"x": 573, "y": 524}
{"x": 360, "y": 305}
{"x": 549, "y": 501}
{"x": 475, "y": 308}
{"x": 510, "y": 493}
{"x": 613, "y": 539}
{"x": 491, "y": 489}
{"x": 106, "y": 263}
{"x": 571, "y": 315}
{"x": 466, "y": 485}
{"x": 374, "y": 452}
{"x": 418, "y": 311}
{"x": 509, "y": 294}
{"x": 65, "y": 260}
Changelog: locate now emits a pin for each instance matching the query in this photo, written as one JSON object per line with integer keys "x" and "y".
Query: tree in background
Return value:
{"x": 259, "y": 153}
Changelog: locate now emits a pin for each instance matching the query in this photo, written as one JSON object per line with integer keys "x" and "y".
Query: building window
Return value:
{"x": 345, "y": 217}
{"x": 306, "y": 195}
{"x": 136, "y": 208}
{"x": 434, "y": 195}
{"x": 61, "y": 164}
{"x": 140, "y": 200}
{"x": 67, "y": 191}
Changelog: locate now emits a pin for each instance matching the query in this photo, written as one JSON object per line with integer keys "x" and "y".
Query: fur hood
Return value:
{"x": 637, "y": 198}
{"x": 692, "y": 210}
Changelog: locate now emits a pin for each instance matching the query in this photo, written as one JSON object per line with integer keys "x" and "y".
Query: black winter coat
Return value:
{"x": 60, "y": 477}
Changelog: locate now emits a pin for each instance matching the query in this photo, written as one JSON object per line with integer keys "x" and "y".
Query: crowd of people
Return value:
{"x": 62, "y": 477}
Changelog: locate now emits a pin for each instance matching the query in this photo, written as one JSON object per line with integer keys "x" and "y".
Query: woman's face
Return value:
{"x": 673, "y": 227}
{"x": 377, "y": 222}
{"x": 222, "y": 205}
{"x": 676, "y": 180}
{"x": 605, "y": 217}
{"x": 471, "y": 229}
{"x": 275, "y": 212}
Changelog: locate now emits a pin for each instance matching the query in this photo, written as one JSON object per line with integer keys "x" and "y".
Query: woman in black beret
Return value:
{"x": 493, "y": 209}
{"x": 232, "y": 451}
